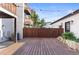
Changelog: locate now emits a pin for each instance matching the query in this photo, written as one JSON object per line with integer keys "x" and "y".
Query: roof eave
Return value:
{"x": 75, "y": 12}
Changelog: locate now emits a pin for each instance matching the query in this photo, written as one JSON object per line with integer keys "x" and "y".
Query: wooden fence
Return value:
{"x": 42, "y": 32}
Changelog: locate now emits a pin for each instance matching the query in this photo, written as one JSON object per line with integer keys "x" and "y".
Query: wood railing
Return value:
{"x": 9, "y": 6}
{"x": 42, "y": 32}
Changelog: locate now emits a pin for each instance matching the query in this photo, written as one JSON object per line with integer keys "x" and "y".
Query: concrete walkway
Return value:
{"x": 11, "y": 49}
{"x": 44, "y": 46}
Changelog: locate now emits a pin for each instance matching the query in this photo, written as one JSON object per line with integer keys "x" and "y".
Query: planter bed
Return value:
{"x": 72, "y": 44}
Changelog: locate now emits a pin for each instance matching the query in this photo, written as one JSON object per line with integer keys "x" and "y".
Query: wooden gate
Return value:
{"x": 42, "y": 32}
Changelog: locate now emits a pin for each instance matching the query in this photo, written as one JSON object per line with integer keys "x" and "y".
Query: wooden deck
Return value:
{"x": 44, "y": 46}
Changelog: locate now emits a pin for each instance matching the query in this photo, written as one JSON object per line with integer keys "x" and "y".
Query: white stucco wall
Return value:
{"x": 19, "y": 21}
{"x": 74, "y": 27}
{"x": 6, "y": 28}
{"x": 1, "y": 30}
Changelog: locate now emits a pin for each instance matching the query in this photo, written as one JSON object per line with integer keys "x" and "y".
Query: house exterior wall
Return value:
{"x": 15, "y": 12}
{"x": 74, "y": 26}
{"x": 7, "y": 20}
{"x": 1, "y": 30}
{"x": 19, "y": 20}
{"x": 6, "y": 28}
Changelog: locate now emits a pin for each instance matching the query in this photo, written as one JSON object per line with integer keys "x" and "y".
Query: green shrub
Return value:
{"x": 69, "y": 35}
{"x": 77, "y": 40}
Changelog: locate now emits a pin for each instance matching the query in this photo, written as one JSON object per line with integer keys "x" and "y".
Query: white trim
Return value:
{"x": 7, "y": 12}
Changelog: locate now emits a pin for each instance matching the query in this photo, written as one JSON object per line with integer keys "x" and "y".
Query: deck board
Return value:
{"x": 44, "y": 46}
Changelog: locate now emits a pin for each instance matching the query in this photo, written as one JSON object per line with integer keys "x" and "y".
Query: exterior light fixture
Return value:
{"x": 71, "y": 21}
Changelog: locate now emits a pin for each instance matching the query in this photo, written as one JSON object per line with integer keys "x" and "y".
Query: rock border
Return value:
{"x": 72, "y": 44}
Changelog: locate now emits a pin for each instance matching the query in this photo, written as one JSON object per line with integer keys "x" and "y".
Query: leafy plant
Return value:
{"x": 77, "y": 40}
{"x": 43, "y": 23}
{"x": 34, "y": 18}
{"x": 70, "y": 36}
{"x": 37, "y": 23}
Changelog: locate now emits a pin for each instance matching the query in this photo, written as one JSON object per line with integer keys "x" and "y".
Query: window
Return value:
{"x": 67, "y": 26}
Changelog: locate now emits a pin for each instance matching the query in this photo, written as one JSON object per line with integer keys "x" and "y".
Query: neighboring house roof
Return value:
{"x": 73, "y": 13}
{"x": 47, "y": 25}
{"x": 28, "y": 21}
{"x": 27, "y": 10}
{"x": 14, "y": 4}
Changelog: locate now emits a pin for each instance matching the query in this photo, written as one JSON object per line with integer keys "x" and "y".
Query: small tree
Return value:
{"x": 34, "y": 18}
{"x": 36, "y": 21}
{"x": 43, "y": 23}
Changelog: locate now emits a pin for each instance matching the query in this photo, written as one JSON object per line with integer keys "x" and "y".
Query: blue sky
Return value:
{"x": 53, "y": 11}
